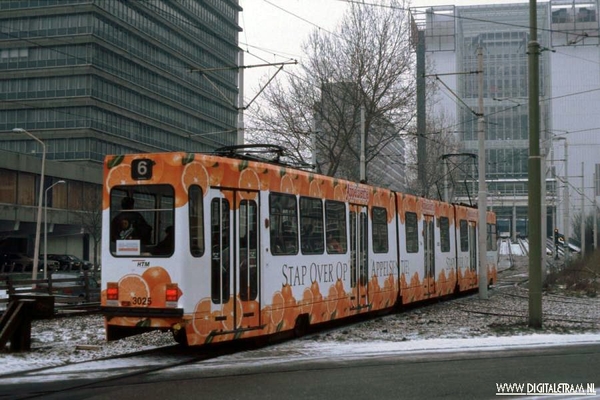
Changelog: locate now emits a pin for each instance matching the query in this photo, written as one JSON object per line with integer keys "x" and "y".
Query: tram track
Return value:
{"x": 137, "y": 365}
{"x": 504, "y": 313}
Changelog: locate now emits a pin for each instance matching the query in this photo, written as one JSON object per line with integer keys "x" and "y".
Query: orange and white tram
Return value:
{"x": 218, "y": 248}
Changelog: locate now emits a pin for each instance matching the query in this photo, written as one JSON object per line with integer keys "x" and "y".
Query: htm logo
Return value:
{"x": 142, "y": 263}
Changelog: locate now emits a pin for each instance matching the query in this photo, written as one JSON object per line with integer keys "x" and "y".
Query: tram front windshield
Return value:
{"x": 142, "y": 220}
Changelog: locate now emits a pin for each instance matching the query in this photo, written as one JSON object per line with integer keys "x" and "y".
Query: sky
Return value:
{"x": 273, "y": 31}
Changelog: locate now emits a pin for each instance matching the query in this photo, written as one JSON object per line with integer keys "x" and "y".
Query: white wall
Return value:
{"x": 575, "y": 108}
{"x": 443, "y": 62}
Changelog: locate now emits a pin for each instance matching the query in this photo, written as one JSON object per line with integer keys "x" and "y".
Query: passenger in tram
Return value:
{"x": 290, "y": 240}
{"x": 167, "y": 244}
{"x": 134, "y": 221}
{"x": 333, "y": 246}
{"x": 126, "y": 230}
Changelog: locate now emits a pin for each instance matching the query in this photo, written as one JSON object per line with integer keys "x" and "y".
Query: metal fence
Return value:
{"x": 65, "y": 289}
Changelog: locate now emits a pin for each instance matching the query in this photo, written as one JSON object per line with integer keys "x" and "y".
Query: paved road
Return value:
{"x": 449, "y": 375}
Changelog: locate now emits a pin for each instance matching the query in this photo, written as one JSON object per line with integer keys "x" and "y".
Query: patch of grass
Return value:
{"x": 580, "y": 277}
{"x": 508, "y": 329}
{"x": 523, "y": 328}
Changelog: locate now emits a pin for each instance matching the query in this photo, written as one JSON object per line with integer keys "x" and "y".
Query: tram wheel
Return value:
{"x": 301, "y": 325}
{"x": 180, "y": 337}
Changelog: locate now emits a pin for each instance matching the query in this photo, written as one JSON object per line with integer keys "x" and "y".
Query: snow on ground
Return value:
{"x": 316, "y": 350}
{"x": 517, "y": 249}
{"x": 470, "y": 322}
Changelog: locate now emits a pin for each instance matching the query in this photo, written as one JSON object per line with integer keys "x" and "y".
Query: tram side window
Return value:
{"x": 380, "y": 230}
{"x": 412, "y": 236}
{"x": 335, "y": 221}
{"x": 492, "y": 239}
{"x": 165, "y": 226}
{"x": 220, "y": 257}
{"x": 464, "y": 235}
{"x": 283, "y": 222}
{"x": 196, "y": 220}
{"x": 445, "y": 234}
{"x": 311, "y": 225}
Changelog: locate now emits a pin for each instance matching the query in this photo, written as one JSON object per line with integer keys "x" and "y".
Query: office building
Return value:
{"x": 569, "y": 77}
{"x": 97, "y": 77}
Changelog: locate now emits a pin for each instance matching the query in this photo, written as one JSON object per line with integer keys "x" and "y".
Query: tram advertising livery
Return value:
{"x": 225, "y": 246}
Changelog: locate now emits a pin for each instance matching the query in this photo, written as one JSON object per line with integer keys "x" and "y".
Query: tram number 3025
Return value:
{"x": 141, "y": 301}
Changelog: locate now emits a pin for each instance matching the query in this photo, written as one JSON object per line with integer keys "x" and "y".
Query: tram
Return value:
{"x": 226, "y": 246}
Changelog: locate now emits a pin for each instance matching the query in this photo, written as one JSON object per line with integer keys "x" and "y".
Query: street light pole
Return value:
{"x": 36, "y": 250}
{"x": 46, "y": 226}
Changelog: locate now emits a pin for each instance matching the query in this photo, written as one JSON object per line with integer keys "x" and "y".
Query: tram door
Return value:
{"x": 359, "y": 274}
{"x": 234, "y": 260}
{"x": 473, "y": 252}
{"x": 247, "y": 260}
{"x": 221, "y": 230}
{"x": 429, "y": 250}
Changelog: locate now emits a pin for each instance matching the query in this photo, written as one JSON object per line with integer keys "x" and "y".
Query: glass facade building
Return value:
{"x": 454, "y": 34}
{"x": 569, "y": 77}
{"x": 461, "y": 31}
{"x": 97, "y": 77}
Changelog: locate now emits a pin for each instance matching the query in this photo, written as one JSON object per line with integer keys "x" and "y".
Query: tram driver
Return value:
{"x": 129, "y": 224}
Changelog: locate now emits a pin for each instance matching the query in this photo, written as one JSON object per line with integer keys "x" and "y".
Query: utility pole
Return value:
{"x": 482, "y": 195}
{"x": 534, "y": 210}
{"x": 565, "y": 198}
{"x": 421, "y": 110}
{"x": 363, "y": 141}
{"x": 544, "y": 214}
{"x": 582, "y": 213}
{"x": 514, "y": 216}
{"x": 595, "y": 214}
{"x": 566, "y": 219}
{"x": 240, "y": 104}
{"x": 446, "y": 199}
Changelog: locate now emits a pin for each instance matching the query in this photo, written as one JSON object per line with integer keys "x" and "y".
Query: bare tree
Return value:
{"x": 366, "y": 62}
{"x": 589, "y": 230}
{"x": 443, "y": 169}
{"x": 90, "y": 218}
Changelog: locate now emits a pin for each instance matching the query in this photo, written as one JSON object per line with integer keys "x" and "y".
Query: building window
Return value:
{"x": 26, "y": 189}
{"x": 8, "y": 186}
{"x": 75, "y": 195}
